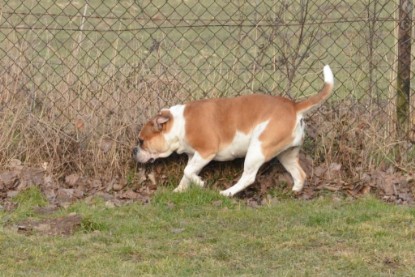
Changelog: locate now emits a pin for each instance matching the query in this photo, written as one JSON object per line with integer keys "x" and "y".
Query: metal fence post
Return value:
{"x": 404, "y": 68}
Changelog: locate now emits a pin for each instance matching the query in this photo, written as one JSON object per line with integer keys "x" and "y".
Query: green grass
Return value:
{"x": 27, "y": 200}
{"x": 201, "y": 233}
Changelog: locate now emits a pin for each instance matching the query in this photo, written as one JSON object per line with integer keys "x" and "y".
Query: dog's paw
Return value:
{"x": 179, "y": 189}
{"x": 226, "y": 193}
{"x": 297, "y": 188}
{"x": 196, "y": 180}
{"x": 199, "y": 183}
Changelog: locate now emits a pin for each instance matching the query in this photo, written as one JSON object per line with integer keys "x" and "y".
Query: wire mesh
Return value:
{"x": 93, "y": 69}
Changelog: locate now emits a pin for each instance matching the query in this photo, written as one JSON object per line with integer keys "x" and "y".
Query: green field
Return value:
{"x": 210, "y": 49}
{"x": 200, "y": 233}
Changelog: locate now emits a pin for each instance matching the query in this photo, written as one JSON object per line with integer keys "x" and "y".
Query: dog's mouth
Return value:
{"x": 142, "y": 156}
{"x": 144, "y": 160}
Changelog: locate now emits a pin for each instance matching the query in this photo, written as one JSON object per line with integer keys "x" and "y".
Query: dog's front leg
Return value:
{"x": 191, "y": 171}
{"x": 183, "y": 185}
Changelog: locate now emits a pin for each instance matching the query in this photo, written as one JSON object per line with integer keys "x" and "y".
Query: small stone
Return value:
{"x": 117, "y": 187}
{"x": 109, "y": 204}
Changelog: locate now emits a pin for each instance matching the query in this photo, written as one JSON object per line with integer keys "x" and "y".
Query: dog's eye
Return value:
{"x": 140, "y": 142}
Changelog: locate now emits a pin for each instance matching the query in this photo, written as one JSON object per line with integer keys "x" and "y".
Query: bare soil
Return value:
{"x": 61, "y": 226}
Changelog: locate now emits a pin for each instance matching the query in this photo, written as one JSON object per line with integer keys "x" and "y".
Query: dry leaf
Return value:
{"x": 170, "y": 205}
{"x": 15, "y": 164}
{"x": 105, "y": 145}
{"x": 141, "y": 176}
{"x": 129, "y": 194}
{"x": 152, "y": 178}
{"x": 79, "y": 124}
{"x": 8, "y": 179}
{"x": 72, "y": 179}
{"x": 217, "y": 203}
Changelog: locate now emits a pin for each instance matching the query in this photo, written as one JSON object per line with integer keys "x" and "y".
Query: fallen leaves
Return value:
{"x": 72, "y": 179}
{"x": 388, "y": 183}
{"x": 8, "y": 179}
{"x": 74, "y": 186}
{"x": 105, "y": 145}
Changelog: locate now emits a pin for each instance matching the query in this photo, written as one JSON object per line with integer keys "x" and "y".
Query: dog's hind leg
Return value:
{"x": 253, "y": 161}
{"x": 289, "y": 159}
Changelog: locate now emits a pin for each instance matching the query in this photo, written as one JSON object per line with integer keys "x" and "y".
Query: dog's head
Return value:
{"x": 152, "y": 142}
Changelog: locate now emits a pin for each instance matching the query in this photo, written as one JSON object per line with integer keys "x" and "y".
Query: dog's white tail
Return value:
{"x": 314, "y": 100}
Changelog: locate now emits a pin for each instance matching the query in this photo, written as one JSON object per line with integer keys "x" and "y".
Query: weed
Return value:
{"x": 27, "y": 200}
{"x": 90, "y": 224}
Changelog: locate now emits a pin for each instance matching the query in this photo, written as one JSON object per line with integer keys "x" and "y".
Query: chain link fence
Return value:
{"x": 81, "y": 76}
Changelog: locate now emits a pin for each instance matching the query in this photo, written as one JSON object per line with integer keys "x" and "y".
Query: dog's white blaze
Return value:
{"x": 175, "y": 138}
{"x": 255, "y": 142}
{"x": 173, "y": 141}
{"x": 236, "y": 149}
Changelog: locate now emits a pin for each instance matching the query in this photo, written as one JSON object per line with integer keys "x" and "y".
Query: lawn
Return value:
{"x": 201, "y": 233}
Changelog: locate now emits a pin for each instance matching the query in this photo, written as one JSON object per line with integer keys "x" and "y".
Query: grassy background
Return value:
{"x": 210, "y": 49}
{"x": 201, "y": 233}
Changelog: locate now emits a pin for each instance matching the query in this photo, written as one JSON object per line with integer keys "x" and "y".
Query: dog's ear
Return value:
{"x": 162, "y": 118}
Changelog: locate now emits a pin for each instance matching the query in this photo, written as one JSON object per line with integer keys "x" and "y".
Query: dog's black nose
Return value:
{"x": 135, "y": 151}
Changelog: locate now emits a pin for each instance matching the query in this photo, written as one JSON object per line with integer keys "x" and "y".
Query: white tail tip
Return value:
{"x": 328, "y": 75}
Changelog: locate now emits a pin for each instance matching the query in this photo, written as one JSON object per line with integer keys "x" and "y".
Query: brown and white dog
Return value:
{"x": 259, "y": 127}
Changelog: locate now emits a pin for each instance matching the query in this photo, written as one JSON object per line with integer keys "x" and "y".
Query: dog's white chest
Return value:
{"x": 236, "y": 149}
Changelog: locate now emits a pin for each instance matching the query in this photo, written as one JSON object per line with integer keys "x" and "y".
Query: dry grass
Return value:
{"x": 358, "y": 136}
{"x": 73, "y": 127}
{"x": 88, "y": 124}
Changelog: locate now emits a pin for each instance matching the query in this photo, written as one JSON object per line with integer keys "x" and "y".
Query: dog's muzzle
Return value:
{"x": 135, "y": 151}
{"x": 141, "y": 156}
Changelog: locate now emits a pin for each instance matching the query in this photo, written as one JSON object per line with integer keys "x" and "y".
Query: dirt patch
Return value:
{"x": 61, "y": 226}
